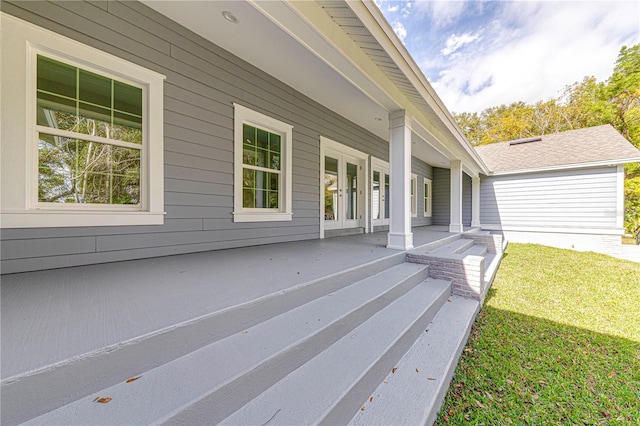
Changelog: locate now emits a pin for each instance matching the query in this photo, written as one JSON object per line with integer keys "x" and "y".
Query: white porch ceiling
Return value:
{"x": 297, "y": 54}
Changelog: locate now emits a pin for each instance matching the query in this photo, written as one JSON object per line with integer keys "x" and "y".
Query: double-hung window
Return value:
{"x": 414, "y": 195}
{"x": 427, "y": 197}
{"x": 82, "y": 138}
{"x": 262, "y": 181}
{"x": 89, "y": 137}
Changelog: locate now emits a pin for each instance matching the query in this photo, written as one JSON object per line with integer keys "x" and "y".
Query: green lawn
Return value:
{"x": 557, "y": 342}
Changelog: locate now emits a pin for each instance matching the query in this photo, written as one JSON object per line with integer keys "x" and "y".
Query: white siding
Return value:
{"x": 577, "y": 199}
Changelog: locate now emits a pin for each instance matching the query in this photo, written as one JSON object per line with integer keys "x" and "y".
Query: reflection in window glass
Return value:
{"x": 78, "y": 169}
{"x": 261, "y": 168}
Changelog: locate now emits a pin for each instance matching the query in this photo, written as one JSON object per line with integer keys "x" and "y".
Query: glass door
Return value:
{"x": 342, "y": 194}
{"x": 379, "y": 193}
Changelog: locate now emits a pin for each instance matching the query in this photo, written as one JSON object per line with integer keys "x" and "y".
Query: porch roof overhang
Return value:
{"x": 347, "y": 58}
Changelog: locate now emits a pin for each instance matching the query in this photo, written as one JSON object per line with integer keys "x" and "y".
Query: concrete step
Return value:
{"x": 455, "y": 247}
{"x": 475, "y": 250}
{"x": 37, "y": 392}
{"x": 224, "y": 375}
{"x": 330, "y": 387}
{"x": 414, "y": 393}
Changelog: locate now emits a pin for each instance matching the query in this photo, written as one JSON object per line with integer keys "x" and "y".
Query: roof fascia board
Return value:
{"x": 309, "y": 24}
{"x": 370, "y": 15}
{"x": 604, "y": 163}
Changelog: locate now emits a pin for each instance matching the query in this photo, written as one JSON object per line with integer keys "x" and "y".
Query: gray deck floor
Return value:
{"x": 51, "y": 316}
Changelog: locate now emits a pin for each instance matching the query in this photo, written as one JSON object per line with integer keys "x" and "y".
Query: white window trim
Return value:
{"x": 414, "y": 197}
{"x": 243, "y": 115}
{"x": 428, "y": 196}
{"x": 21, "y": 42}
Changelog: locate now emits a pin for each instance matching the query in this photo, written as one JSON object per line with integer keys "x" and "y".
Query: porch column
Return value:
{"x": 400, "y": 236}
{"x": 475, "y": 201}
{"x": 455, "y": 222}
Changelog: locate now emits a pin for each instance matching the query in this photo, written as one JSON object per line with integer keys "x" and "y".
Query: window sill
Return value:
{"x": 75, "y": 218}
{"x": 262, "y": 217}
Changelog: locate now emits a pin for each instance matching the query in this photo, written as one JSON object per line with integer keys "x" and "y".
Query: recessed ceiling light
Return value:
{"x": 230, "y": 17}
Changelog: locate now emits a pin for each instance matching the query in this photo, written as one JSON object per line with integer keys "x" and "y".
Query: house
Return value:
{"x": 564, "y": 190}
{"x": 172, "y": 173}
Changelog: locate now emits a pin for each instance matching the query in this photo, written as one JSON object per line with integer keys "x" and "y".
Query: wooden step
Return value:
{"x": 414, "y": 393}
{"x": 330, "y": 387}
{"x": 228, "y": 373}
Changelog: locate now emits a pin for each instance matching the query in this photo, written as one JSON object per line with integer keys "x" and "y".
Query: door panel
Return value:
{"x": 342, "y": 190}
{"x": 379, "y": 193}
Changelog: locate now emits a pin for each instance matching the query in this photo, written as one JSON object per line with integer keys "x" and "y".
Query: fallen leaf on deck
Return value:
{"x": 245, "y": 332}
{"x": 430, "y": 378}
{"x": 133, "y": 379}
{"x": 102, "y": 400}
{"x": 417, "y": 371}
{"x": 362, "y": 409}
{"x": 393, "y": 370}
{"x": 371, "y": 399}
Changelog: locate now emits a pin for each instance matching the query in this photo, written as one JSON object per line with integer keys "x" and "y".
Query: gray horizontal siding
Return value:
{"x": 574, "y": 198}
{"x": 466, "y": 199}
{"x": 423, "y": 170}
{"x": 202, "y": 83}
{"x": 441, "y": 208}
{"x": 441, "y": 196}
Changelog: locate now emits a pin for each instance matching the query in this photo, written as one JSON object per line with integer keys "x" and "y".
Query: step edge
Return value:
{"x": 82, "y": 387}
{"x": 265, "y": 363}
{"x": 324, "y": 353}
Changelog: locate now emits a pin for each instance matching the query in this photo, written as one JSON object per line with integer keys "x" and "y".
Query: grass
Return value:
{"x": 557, "y": 342}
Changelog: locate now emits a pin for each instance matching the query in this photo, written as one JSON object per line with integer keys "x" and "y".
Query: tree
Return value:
{"x": 582, "y": 104}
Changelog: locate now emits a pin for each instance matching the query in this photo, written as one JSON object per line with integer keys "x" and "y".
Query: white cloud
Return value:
{"x": 533, "y": 50}
{"x": 441, "y": 13}
{"x": 394, "y": 8}
{"x": 400, "y": 30}
{"x": 455, "y": 42}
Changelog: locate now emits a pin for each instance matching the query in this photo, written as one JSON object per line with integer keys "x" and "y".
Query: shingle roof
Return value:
{"x": 588, "y": 145}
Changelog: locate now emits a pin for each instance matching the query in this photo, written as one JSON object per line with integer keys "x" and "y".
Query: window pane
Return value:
{"x": 274, "y": 161}
{"x": 273, "y": 199}
{"x": 94, "y": 120}
{"x": 248, "y": 155}
{"x": 261, "y": 157}
{"x": 274, "y": 142}
{"x": 88, "y": 110}
{"x": 248, "y": 198}
{"x": 263, "y": 139}
{"x": 387, "y": 196}
{"x": 56, "y": 112}
{"x": 248, "y": 134}
{"x": 56, "y": 77}
{"x": 127, "y": 98}
{"x": 95, "y": 89}
{"x": 77, "y": 171}
{"x": 352, "y": 191}
{"x": 126, "y": 127}
{"x": 248, "y": 178}
{"x": 274, "y": 181}
{"x": 376, "y": 199}
{"x": 262, "y": 180}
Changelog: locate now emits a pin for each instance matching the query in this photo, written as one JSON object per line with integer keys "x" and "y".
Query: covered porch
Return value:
{"x": 70, "y": 332}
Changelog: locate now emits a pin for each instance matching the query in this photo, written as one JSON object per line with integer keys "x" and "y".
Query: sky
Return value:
{"x": 480, "y": 54}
